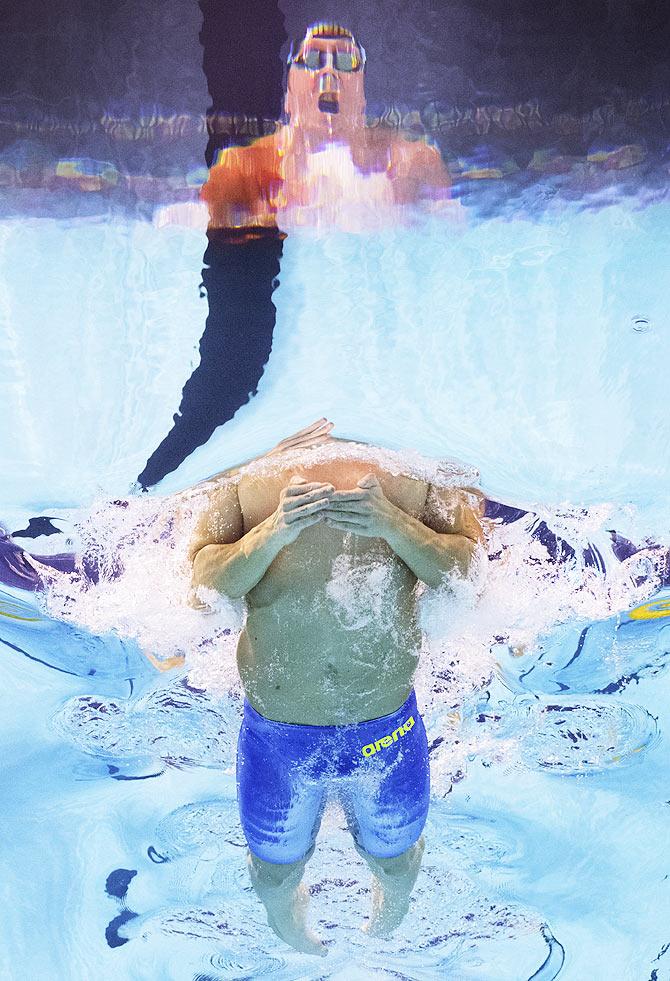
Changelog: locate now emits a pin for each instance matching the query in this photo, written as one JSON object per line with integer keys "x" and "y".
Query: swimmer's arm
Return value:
{"x": 232, "y": 563}
{"x": 433, "y": 173}
{"x": 234, "y": 569}
{"x": 419, "y": 172}
{"x": 241, "y": 186}
{"x": 444, "y": 541}
{"x": 218, "y": 530}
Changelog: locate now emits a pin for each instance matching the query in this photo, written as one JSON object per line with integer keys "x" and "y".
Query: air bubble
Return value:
{"x": 641, "y": 325}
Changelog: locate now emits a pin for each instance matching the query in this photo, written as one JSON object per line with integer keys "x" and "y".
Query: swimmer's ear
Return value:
{"x": 368, "y": 482}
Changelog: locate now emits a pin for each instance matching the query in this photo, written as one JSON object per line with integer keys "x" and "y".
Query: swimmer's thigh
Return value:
{"x": 386, "y": 803}
{"x": 280, "y": 806}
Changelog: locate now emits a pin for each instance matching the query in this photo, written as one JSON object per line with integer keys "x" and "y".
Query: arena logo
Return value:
{"x": 386, "y": 741}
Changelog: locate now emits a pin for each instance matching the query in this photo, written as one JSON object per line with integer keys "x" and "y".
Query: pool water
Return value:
{"x": 546, "y": 706}
{"x": 527, "y": 343}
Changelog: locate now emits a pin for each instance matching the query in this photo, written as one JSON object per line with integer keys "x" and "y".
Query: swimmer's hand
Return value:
{"x": 431, "y": 555}
{"x": 301, "y": 504}
{"x": 234, "y": 568}
{"x": 312, "y": 435}
{"x": 364, "y": 510}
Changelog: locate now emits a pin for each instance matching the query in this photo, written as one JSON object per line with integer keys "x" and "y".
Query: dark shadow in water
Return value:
{"x": 240, "y": 279}
{"x": 112, "y": 935}
{"x": 37, "y": 527}
{"x": 118, "y": 881}
{"x": 242, "y": 62}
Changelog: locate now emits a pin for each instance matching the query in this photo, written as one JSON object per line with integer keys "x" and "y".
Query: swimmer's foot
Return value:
{"x": 388, "y": 912}
{"x": 391, "y": 890}
{"x": 290, "y": 926}
{"x": 285, "y": 899}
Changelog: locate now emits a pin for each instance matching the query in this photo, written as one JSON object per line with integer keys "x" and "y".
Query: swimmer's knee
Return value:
{"x": 393, "y": 860}
{"x": 278, "y": 873}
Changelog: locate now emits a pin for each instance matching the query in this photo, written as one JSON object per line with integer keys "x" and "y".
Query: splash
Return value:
{"x": 138, "y": 550}
{"x": 409, "y": 463}
{"x": 531, "y": 618}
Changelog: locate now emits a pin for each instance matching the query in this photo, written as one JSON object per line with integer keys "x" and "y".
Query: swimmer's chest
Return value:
{"x": 307, "y": 565}
{"x": 335, "y": 176}
{"x": 259, "y": 494}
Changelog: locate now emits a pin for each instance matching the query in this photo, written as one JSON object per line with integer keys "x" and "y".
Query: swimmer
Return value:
{"x": 324, "y": 165}
{"x": 326, "y": 549}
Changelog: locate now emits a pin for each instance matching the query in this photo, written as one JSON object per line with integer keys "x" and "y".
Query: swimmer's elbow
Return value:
{"x": 472, "y": 549}
{"x": 460, "y": 556}
{"x": 195, "y": 602}
{"x": 201, "y": 576}
{"x": 209, "y": 571}
{"x": 469, "y": 550}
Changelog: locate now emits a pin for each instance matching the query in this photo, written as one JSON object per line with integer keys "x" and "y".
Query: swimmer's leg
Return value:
{"x": 281, "y": 804}
{"x": 386, "y": 806}
{"x": 279, "y": 889}
{"x": 392, "y": 887}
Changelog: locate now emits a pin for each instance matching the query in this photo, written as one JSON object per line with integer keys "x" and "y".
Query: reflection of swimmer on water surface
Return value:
{"x": 324, "y": 167}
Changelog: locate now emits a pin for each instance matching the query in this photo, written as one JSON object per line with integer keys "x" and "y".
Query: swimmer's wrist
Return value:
{"x": 394, "y": 528}
{"x": 266, "y": 539}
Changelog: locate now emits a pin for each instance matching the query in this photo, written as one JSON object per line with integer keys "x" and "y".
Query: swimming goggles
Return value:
{"x": 342, "y": 61}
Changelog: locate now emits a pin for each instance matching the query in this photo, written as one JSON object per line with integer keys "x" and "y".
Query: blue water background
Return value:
{"x": 511, "y": 345}
{"x": 530, "y": 341}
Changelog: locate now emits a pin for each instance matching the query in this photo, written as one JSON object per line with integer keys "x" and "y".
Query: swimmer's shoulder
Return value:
{"x": 262, "y": 154}
{"x": 221, "y": 520}
{"x": 455, "y": 509}
{"x": 420, "y": 160}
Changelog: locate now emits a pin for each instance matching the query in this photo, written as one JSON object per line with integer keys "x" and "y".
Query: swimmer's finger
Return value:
{"x": 168, "y": 663}
{"x": 298, "y": 490}
{"x": 305, "y": 444}
{"x": 298, "y": 485}
{"x": 344, "y": 525}
{"x": 307, "y": 520}
{"x": 319, "y": 426}
{"x": 357, "y": 518}
{"x": 346, "y": 496}
{"x": 313, "y": 440}
{"x": 318, "y": 430}
{"x": 349, "y": 512}
{"x": 308, "y": 430}
{"x": 297, "y": 500}
{"x": 307, "y": 509}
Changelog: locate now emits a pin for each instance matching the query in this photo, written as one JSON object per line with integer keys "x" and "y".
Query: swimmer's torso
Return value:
{"x": 285, "y": 181}
{"x": 331, "y": 634}
{"x": 326, "y": 188}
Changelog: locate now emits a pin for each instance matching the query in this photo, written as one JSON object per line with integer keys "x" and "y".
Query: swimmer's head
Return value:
{"x": 325, "y": 80}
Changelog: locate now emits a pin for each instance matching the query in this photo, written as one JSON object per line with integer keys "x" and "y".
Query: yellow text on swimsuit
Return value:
{"x": 385, "y": 741}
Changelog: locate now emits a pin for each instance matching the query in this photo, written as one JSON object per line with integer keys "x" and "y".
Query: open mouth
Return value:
{"x": 328, "y": 103}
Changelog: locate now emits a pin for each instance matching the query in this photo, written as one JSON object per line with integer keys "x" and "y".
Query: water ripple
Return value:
{"x": 571, "y": 737}
{"x": 177, "y": 724}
